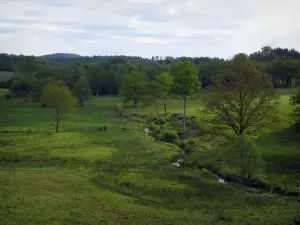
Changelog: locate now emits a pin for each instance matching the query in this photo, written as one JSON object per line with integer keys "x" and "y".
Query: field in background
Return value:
{"x": 123, "y": 177}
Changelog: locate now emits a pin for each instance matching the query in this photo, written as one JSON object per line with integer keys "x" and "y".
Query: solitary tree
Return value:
{"x": 81, "y": 90}
{"x": 56, "y": 95}
{"x": 133, "y": 88}
{"x": 242, "y": 100}
{"x": 185, "y": 82}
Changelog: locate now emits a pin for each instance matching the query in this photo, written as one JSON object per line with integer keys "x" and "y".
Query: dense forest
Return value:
{"x": 105, "y": 73}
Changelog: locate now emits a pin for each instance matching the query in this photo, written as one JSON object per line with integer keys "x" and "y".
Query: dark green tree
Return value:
{"x": 133, "y": 88}
{"x": 241, "y": 101}
{"x": 82, "y": 90}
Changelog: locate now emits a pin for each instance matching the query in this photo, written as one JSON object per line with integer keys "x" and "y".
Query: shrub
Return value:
{"x": 138, "y": 119}
{"x": 169, "y": 136}
{"x": 119, "y": 110}
{"x": 190, "y": 147}
{"x": 154, "y": 128}
{"x": 225, "y": 216}
{"x": 244, "y": 157}
{"x": 9, "y": 95}
{"x": 180, "y": 144}
{"x": 160, "y": 121}
{"x": 26, "y": 99}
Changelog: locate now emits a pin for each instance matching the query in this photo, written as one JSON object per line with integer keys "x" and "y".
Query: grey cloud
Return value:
{"x": 148, "y": 27}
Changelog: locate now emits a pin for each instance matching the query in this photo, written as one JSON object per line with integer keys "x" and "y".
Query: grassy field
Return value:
{"x": 123, "y": 177}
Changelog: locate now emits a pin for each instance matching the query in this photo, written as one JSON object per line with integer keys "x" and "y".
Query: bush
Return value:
{"x": 160, "y": 121}
{"x": 154, "y": 128}
{"x": 119, "y": 110}
{"x": 138, "y": 119}
{"x": 9, "y": 95}
{"x": 244, "y": 157}
{"x": 169, "y": 136}
{"x": 190, "y": 146}
{"x": 26, "y": 99}
{"x": 180, "y": 144}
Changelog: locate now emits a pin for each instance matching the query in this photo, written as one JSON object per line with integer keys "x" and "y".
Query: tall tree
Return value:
{"x": 185, "y": 82}
{"x": 164, "y": 84}
{"x": 133, "y": 88}
{"x": 242, "y": 100}
{"x": 81, "y": 90}
{"x": 60, "y": 97}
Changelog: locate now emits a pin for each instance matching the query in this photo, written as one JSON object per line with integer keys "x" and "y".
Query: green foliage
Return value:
{"x": 20, "y": 87}
{"x": 133, "y": 88}
{"x": 242, "y": 101}
{"x": 190, "y": 147}
{"x": 169, "y": 136}
{"x": 82, "y": 90}
{"x": 56, "y": 95}
{"x": 244, "y": 157}
{"x": 9, "y": 95}
{"x": 295, "y": 101}
{"x": 185, "y": 82}
{"x": 185, "y": 78}
{"x": 154, "y": 127}
{"x": 119, "y": 110}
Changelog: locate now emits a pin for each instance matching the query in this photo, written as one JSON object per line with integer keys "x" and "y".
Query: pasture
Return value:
{"x": 121, "y": 176}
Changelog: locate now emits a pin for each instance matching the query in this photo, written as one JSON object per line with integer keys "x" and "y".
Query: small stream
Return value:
{"x": 180, "y": 159}
{"x": 260, "y": 185}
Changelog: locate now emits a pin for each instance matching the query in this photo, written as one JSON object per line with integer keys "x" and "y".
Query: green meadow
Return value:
{"x": 83, "y": 175}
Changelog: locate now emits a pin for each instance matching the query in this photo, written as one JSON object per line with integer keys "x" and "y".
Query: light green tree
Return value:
{"x": 82, "y": 90}
{"x": 164, "y": 84}
{"x": 185, "y": 82}
{"x": 60, "y": 98}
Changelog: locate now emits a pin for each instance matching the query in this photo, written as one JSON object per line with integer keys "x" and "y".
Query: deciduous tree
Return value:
{"x": 164, "y": 84}
{"x": 242, "y": 100}
{"x": 133, "y": 88}
{"x": 185, "y": 82}
{"x": 81, "y": 90}
{"x": 60, "y": 98}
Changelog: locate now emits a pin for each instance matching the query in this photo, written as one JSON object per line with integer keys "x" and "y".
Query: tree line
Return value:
{"x": 105, "y": 73}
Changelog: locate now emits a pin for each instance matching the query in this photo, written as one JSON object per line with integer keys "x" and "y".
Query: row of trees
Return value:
{"x": 105, "y": 74}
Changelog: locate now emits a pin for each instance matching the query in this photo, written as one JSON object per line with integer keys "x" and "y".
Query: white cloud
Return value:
{"x": 148, "y": 27}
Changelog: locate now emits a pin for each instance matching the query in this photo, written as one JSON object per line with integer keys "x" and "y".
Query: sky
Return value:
{"x": 213, "y": 28}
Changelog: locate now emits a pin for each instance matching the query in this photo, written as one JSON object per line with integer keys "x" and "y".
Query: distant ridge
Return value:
{"x": 61, "y": 56}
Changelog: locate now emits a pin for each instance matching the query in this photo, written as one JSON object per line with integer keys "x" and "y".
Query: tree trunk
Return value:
{"x": 97, "y": 92}
{"x": 81, "y": 102}
{"x": 135, "y": 103}
{"x": 165, "y": 106}
{"x": 156, "y": 110}
{"x": 184, "y": 113}
{"x": 57, "y": 121}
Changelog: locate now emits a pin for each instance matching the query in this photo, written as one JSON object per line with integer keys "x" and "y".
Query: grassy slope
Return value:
{"x": 115, "y": 177}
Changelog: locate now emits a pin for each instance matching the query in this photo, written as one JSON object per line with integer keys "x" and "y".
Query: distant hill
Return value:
{"x": 56, "y": 56}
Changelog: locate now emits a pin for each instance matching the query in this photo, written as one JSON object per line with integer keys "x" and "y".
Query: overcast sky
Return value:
{"x": 148, "y": 28}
